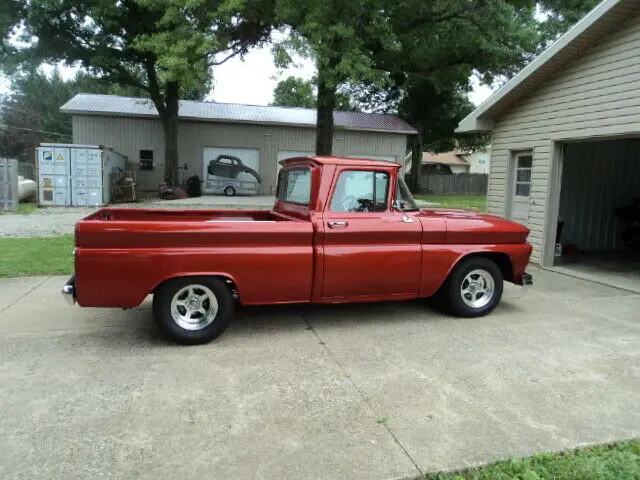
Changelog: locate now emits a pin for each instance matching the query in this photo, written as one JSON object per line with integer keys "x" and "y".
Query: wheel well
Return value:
{"x": 230, "y": 283}
{"x": 501, "y": 259}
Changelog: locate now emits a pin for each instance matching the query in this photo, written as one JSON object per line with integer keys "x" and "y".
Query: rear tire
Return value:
{"x": 193, "y": 310}
{"x": 229, "y": 191}
{"x": 474, "y": 287}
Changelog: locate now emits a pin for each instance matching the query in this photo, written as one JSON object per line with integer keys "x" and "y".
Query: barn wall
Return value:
{"x": 130, "y": 135}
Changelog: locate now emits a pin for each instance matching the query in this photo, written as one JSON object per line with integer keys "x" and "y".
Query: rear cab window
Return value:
{"x": 294, "y": 186}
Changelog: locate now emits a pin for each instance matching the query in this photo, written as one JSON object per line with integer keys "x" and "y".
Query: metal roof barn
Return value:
{"x": 259, "y": 136}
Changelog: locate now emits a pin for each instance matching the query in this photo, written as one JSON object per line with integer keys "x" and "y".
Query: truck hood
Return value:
{"x": 476, "y": 228}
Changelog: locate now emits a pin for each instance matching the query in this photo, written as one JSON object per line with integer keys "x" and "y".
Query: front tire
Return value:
{"x": 193, "y": 310}
{"x": 229, "y": 191}
{"x": 474, "y": 287}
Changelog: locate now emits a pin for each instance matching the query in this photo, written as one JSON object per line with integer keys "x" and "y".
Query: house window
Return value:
{"x": 524, "y": 163}
{"x": 146, "y": 159}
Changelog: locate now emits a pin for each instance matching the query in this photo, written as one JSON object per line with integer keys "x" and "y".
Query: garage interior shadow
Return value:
{"x": 597, "y": 242}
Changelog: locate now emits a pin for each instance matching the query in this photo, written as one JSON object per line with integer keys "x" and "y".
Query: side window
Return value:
{"x": 361, "y": 191}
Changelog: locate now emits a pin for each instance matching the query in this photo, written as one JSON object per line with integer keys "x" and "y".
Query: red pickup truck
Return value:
{"x": 341, "y": 230}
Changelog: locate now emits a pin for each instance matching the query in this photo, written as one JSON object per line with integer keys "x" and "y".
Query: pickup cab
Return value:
{"x": 341, "y": 230}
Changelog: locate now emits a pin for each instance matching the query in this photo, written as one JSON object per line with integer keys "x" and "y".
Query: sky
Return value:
{"x": 251, "y": 80}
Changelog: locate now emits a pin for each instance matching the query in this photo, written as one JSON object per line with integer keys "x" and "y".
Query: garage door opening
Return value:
{"x": 598, "y": 230}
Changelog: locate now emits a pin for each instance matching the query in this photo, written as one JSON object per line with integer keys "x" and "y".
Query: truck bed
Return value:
{"x": 137, "y": 249}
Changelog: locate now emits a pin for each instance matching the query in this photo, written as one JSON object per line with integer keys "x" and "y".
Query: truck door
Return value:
{"x": 370, "y": 251}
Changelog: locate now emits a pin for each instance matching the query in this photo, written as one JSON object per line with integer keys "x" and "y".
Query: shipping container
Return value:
{"x": 77, "y": 175}
{"x": 54, "y": 180}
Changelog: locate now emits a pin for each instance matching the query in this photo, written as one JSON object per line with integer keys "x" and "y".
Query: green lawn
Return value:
{"x": 619, "y": 461}
{"x": 23, "y": 209}
{"x": 36, "y": 256}
{"x": 477, "y": 203}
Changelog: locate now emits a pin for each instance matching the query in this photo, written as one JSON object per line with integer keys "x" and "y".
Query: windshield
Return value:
{"x": 404, "y": 200}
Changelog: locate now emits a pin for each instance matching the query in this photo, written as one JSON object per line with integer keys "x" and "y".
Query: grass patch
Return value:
{"x": 24, "y": 208}
{"x": 618, "y": 461}
{"x": 36, "y": 256}
{"x": 476, "y": 203}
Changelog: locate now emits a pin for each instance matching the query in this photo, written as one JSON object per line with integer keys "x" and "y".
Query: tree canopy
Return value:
{"x": 31, "y": 111}
{"x": 414, "y": 57}
{"x": 411, "y": 57}
{"x": 163, "y": 47}
{"x": 294, "y": 92}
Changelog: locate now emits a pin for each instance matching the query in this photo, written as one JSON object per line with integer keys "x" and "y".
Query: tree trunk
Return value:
{"x": 416, "y": 161}
{"x": 325, "y": 106}
{"x": 170, "y": 126}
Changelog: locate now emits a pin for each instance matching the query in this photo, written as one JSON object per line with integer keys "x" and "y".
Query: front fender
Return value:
{"x": 439, "y": 260}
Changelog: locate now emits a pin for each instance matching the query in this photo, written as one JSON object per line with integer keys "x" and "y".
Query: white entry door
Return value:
{"x": 521, "y": 187}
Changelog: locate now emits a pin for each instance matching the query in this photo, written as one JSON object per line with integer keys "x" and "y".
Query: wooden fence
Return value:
{"x": 8, "y": 184}
{"x": 457, "y": 184}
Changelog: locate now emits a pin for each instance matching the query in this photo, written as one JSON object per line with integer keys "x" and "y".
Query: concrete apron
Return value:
{"x": 373, "y": 391}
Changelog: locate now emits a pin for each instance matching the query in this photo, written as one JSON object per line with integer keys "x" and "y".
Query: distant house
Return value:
{"x": 454, "y": 160}
{"x": 441, "y": 163}
{"x": 479, "y": 161}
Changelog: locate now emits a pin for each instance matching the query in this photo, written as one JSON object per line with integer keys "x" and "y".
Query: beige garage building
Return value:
{"x": 260, "y": 136}
{"x": 566, "y": 143}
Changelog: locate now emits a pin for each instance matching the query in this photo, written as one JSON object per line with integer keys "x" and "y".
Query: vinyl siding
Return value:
{"x": 130, "y": 135}
{"x": 596, "y": 95}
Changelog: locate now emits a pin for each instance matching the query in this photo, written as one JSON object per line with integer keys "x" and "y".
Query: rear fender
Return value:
{"x": 223, "y": 276}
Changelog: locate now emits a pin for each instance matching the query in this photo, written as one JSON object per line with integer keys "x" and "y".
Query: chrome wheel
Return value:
{"x": 477, "y": 288}
{"x": 194, "y": 307}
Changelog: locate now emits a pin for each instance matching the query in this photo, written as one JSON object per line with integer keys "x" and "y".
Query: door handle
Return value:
{"x": 338, "y": 224}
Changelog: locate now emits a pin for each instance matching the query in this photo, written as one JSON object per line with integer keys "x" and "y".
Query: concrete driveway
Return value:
{"x": 375, "y": 391}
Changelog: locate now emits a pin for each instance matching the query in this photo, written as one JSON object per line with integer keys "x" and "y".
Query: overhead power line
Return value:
{"x": 34, "y": 130}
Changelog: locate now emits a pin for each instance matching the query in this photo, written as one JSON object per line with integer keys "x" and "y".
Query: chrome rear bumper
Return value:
{"x": 69, "y": 291}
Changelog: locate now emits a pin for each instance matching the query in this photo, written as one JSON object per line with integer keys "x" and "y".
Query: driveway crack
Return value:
{"x": 25, "y": 294}
{"x": 364, "y": 397}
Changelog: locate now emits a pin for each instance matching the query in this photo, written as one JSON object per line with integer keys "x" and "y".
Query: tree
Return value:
{"x": 294, "y": 92}
{"x": 11, "y": 12}
{"x": 441, "y": 44}
{"x": 163, "y": 47}
{"x": 336, "y": 34}
{"x": 31, "y": 111}
{"x": 297, "y": 92}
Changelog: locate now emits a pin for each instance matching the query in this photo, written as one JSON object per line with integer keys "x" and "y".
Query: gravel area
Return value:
{"x": 54, "y": 221}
